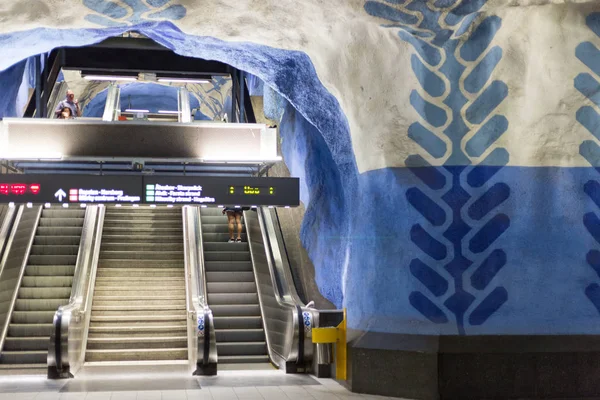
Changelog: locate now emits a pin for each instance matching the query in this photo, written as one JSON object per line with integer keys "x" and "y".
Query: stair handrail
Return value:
{"x": 202, "y": 348}
{"x": 68, "y": 341}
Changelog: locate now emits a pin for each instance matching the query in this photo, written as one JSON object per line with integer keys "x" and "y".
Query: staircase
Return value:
{"x": 232, "y": 294}
{"x": 139, "y": 303}
{"x": 46, "y": 285}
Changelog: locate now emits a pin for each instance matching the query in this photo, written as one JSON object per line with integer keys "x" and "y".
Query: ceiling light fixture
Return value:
{"x": 183, "y": 80}
{"x": 109, "y": 78}
{"x": 133, "y": 110}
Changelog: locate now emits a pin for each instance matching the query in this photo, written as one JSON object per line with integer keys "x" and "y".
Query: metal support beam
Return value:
{"x": 183, "y": 101}
{"x": 242, "y": 84}
{"x": 38, "y": 86}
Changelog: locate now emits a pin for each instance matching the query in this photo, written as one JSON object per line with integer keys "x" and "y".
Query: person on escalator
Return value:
{"x": 71, "y": 102}
{"x": 65, "y": 113}
{"x": 234, "y": 218}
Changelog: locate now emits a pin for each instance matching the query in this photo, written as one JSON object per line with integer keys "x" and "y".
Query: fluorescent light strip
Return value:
{"x": 109, "y": 78}
{"x": 133, "y": 110}
{"x": 183, "y": 80}
{"x": 167, "y": 112}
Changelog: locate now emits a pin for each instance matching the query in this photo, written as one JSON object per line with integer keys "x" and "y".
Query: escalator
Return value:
{"x": 138, "y": 309}
{"x": 232, "y": 293}
{"x": 43, "y": 286}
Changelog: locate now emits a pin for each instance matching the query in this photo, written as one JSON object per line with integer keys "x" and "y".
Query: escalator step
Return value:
{"x": 236, "y": 310}
{"x": 243, "y": 359}
{"x": 227, "y": 266}
{"x": 241, "y": 348}
{"x": 238, "y": 276}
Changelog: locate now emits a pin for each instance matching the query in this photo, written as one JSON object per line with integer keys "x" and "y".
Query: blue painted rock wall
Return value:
{"x": 451, "y": 186}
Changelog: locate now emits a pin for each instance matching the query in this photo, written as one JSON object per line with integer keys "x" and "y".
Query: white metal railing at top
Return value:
{"x": 210, "y": 142}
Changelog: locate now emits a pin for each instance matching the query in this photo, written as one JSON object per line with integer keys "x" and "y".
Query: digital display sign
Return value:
{"x": 222, "y": 190}
{"x": 242, "y": 191}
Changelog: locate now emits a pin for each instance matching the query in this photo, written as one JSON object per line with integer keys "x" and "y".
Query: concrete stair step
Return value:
{"x": 59, "y": 231}
{"x": 61, "y": 222}
{"x": 225, "y": 246}
{"x": 47, "y": 281}
{"x": 137, "y": 318}
{"x": 23, "y": 369}
{"x": 145, "y": 314}
{"x": 226, "y": 256}
{"x": 31, "y": 330}
{"x": 240, "y": 335}
{"x": 162, "y": 281}
{"x": 39, "y": 304}
{"x": 121, "y": 330}
{"x": 175, "y": 210}
{"x": 106, "y": 272}
{"x": 236, "y": 310}
{"x": 67, "y": 250}
{"x": 138, "y": 342}
{"x": 26, "y": 343}
{"x": 141, "y": 255}
{"x": 50, "y": 270}
{"x": 231, "y": 287}
{"x": 140, "y": 263}
{"x": 24, "y": 357}
{"x": 137, "y": 354}
{"x": 139, "y": 307}
{"x": 241, "y": 322}
{"x": 52, "y": 259}
{"x": 131, "y": 298}
{"x": 228, "y": 266}
{"x": 44, "y": 292}
{"x": 241, "y": 348}
{"x": 148, "y": 290}
{"x": 32, "y": 317}
{"x": 56, "y": 240}
{"x": 232, "y": 298}
{"x": 180, "y": 303}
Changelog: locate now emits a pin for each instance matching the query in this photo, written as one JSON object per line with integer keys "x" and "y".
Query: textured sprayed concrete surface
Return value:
{"x": 448, "y": 149}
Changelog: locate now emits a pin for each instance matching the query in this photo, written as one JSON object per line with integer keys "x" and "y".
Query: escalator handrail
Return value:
{"x": 31, "y": 238}
{"x": 282, "y": 266}
{"x": 78, "y": 307}
{"x": 5, "y": 227}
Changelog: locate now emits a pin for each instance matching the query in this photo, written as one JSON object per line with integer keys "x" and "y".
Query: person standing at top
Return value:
{"x": 71, "y": 102}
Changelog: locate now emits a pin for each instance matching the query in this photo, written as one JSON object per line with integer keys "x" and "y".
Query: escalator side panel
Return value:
{"x": 13, "y": 263}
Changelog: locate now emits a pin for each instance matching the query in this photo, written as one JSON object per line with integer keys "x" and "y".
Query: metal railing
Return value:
{"x": 14, "y": 262}
{"x": 287, "y": 320}
{"x": 7, "y": 215}
{"x": 66, "y": 350}
{"x": 202, "y": 347}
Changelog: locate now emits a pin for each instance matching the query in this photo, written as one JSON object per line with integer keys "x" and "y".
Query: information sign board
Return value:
{"x": 242, "y": 191}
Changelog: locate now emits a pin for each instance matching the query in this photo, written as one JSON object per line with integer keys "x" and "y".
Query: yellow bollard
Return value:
{"x": 335, "y": 335}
